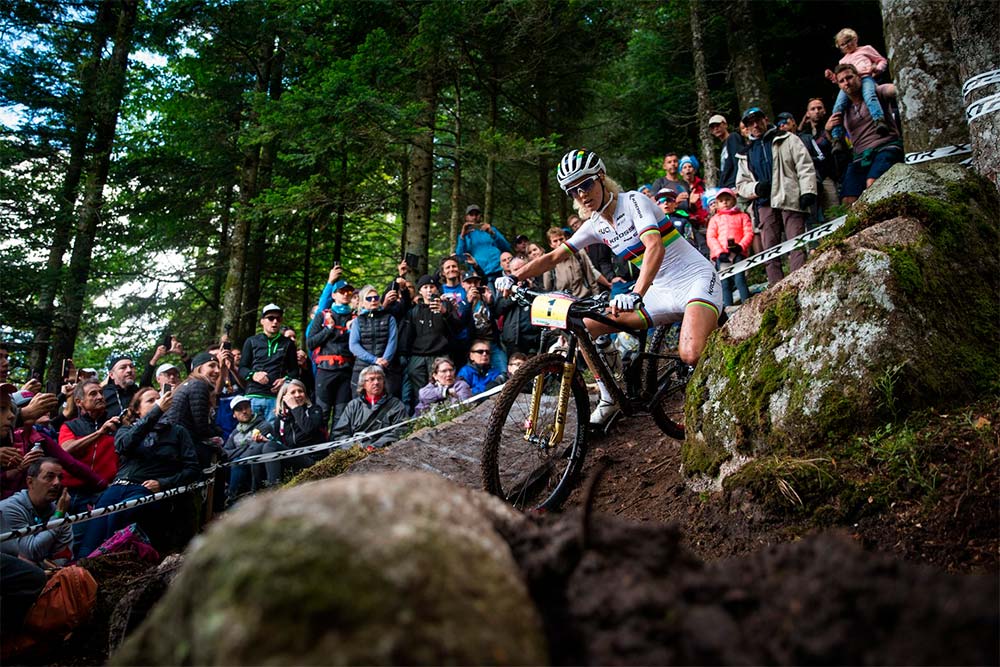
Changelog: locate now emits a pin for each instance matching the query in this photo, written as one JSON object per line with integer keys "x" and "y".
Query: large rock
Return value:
{"x": 895, "y": 313}
{"x": 404, "y": 568}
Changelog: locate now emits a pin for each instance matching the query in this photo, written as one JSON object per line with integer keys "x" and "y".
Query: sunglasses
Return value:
{"x": 372, "y": 297}
{"x": 480, "y": 351}
{"x": 273, "y": 318}
{"x": 581, "y": 188}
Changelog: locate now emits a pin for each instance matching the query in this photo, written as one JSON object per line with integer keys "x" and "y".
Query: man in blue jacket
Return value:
{"x": 483, "y": 241}
{"x": 477, "y": 373}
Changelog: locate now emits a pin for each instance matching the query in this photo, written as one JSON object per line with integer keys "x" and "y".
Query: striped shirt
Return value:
{"x": 635, "y": 217}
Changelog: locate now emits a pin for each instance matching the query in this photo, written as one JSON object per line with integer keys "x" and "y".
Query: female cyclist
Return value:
{"x": 675, "y": 281}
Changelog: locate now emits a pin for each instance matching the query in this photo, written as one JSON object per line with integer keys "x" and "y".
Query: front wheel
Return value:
{"x": 520, "y": 461}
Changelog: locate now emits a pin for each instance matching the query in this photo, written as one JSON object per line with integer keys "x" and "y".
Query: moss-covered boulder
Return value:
{"x": 896, "y": 312}
{"x": 403, "y": 568}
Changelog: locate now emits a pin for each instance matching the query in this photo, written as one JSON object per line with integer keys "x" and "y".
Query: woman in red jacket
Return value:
{"x": 730, "y": 233}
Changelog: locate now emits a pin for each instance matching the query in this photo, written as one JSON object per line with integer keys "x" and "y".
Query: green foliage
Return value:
{"x": 522, "y": 79}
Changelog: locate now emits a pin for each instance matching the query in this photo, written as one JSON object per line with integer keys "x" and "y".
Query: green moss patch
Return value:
{"x": 334, "y": 464}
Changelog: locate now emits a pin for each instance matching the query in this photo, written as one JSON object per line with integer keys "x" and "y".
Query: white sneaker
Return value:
{"x": 603, "y": 413}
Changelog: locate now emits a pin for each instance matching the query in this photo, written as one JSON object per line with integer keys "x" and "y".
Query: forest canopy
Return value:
{"x": 175, "y": 165}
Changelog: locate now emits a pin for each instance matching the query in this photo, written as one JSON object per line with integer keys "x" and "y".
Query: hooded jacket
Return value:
{"x": 792, "y": 171}
{"x": 729, "y": 224}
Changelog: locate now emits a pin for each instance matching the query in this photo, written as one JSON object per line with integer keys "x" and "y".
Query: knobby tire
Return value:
{"x": 668, "y": 411}
{"x": 526, "y": 474}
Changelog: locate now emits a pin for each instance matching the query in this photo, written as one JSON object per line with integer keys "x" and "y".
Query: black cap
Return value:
{"x": 471, "y": 275}
{"x": 473, "y": 207}
{"x": 201, "y": 358}
{"x": 427, "y": 280}
{"x": 115, "y": 358}
{"x": 784, "y": 115}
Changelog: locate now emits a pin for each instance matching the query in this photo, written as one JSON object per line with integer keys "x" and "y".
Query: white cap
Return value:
{"x": 717, "y": 118}
{"x": 237, "y": 401}
{"x": 271, "y": 308}
{"x": 163, "y": 368}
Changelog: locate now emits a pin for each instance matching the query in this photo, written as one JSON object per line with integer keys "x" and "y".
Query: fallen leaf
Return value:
{"x": 981, "y": 422}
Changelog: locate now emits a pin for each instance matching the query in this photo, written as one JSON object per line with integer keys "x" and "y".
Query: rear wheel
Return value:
{"x": 525, "y": 468}
{"x": 663, "y": 346}
{"x": 667, "y": 408}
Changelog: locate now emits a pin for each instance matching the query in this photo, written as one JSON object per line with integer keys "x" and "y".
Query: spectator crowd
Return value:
{"x": 374, "y": 356}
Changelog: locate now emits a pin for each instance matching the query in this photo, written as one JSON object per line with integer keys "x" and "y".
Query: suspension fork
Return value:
{"x": 565, "y": 391}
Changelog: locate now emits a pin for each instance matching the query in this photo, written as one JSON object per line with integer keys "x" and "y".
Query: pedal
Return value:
{"x": 602, "y": 430}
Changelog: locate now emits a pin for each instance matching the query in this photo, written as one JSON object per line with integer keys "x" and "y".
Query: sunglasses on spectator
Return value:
{"x": 483, "y": 351}
{"x": 582, "y": 187}
{"x": 273, "y": 318}
{"x": 372, "y": 297}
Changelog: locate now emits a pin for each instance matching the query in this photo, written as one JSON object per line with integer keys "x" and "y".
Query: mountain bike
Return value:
{"x": 537, "y": 435}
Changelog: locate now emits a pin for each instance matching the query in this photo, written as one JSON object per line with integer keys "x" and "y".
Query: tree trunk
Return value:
{"x": 338, "y": 228}
{"x": 491, "y": 157}
{"x": 83, "y": 123}
{"x": 975, "y": 25}
{"x": 455, "y": 220}
{"x": 710, "y": 170}
{"x": 111, "y": 92}
{"x": 416, "y": 228}
{"x": 244, "y": 232}
{"x": 746, "y": 66}
{"x": 222, "y": 259}
{"x": 306, "y": 280}
{"x": 925, "y": 72}
{"x": 272, "y": 71}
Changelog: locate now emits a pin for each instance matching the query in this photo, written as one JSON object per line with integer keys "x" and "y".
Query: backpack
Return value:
{"x": 65, "y": 603}
{"x": 131, "y": 537}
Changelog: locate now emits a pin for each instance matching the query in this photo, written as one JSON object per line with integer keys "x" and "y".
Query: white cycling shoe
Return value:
{"x": 604, "y": 413}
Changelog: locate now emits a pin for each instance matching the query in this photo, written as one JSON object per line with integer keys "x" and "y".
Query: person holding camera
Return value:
{"x": 296, "y": 423}
{"x": 730, "y": 233}
{"x": 483, "y": 241}
{"x": 329, "y": 339}
{"x": 154, "y": 455}
{"x": 431, "y": 323}
{"x": 90, "y": 438}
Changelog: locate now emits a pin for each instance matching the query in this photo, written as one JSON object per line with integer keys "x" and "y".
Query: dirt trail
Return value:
{"x": 643, "y": 483}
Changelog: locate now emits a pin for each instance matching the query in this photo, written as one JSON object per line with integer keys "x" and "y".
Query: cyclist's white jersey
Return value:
{"x": 684, "y": 276}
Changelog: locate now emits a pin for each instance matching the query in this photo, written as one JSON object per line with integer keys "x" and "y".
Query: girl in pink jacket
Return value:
{"x": 869, "y": 63}
{"x": 730, "y": 233}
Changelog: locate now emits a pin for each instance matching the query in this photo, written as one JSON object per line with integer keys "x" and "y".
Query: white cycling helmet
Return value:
{"x": 577, "y": 164}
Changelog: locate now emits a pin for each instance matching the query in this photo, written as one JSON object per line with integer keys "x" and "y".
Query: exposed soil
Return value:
{"x": 957, "y": 527}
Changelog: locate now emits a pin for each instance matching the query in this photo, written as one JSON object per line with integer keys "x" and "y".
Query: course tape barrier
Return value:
{"x": 210, "y": 472}
{"x": 114, "y": 508}
{"x": 981, "y": 107}
{"x": 797, "y": 243}
{"x": 937, "y": 153}
{"x": 980, "y": 80}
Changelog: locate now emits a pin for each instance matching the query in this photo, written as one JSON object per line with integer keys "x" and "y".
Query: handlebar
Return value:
{"x": 587, "y": 306}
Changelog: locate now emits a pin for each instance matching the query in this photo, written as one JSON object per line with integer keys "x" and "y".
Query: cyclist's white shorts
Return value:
{"x": 665, "y": 303}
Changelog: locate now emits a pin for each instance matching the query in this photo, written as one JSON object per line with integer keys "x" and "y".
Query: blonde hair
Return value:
{"x": 363, "y": 293}
{"x": 279, "y": 404}
{"x": 609, "y": 184}
{"x": 846, "y": 33}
